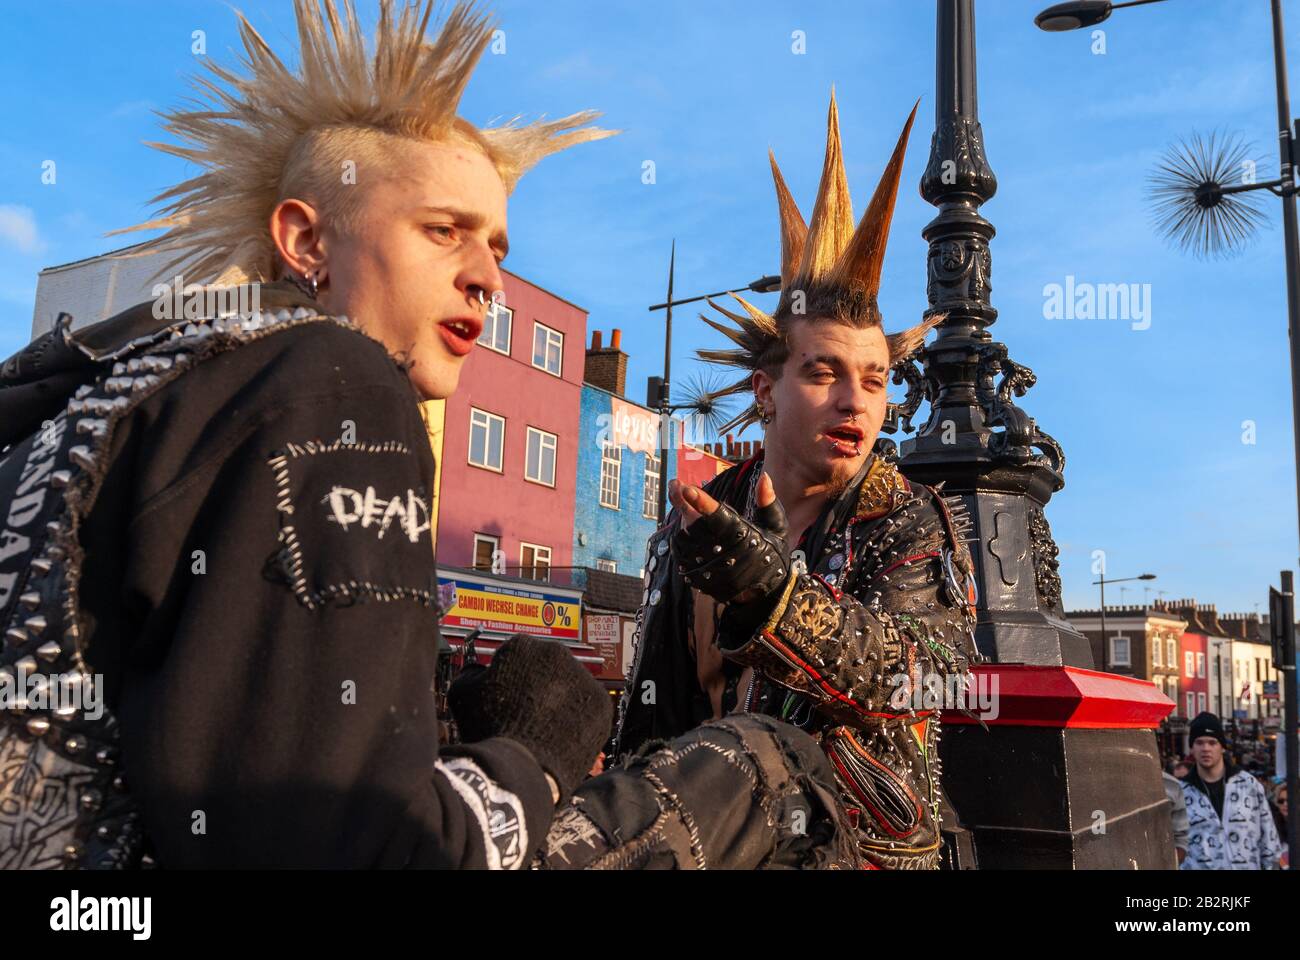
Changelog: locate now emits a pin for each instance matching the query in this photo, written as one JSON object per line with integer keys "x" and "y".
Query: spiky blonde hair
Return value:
{"x": 274, "y": 133}
{"x": 830, "y": 272}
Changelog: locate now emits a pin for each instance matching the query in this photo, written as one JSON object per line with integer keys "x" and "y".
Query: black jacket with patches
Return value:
{"x": 258, "y": 596}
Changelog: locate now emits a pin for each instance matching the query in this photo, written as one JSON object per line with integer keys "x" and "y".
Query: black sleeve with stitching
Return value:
{"x": 275, "y": 637}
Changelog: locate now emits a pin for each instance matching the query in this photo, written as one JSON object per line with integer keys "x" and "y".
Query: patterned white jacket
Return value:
{"x": 1245, "y": 839}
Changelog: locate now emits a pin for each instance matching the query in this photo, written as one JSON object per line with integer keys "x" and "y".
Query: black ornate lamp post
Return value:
{"x": 1068, "y": 745}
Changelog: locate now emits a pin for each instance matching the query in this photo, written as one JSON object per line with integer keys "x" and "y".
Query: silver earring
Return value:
{"x": 763, "y": 416}
{"x": 306, "y": 283}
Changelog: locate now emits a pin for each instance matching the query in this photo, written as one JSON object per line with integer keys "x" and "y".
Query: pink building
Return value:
{"x": 1193, "y": 678}
{"x": 507, "y": 468}
{"x": 1195, "y": 666}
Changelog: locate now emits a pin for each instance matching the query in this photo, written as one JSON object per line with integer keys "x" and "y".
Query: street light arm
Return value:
{"x": 761, "y": 285}
{"x": 1104, "y": 580}
{"x": 1270, "y": 185}
{"x": 703, "y": 296}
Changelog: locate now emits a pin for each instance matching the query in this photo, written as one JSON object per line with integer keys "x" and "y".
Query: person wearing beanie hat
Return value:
{"x": 1229, "y": 824}
{"x": 1207, "y": 725}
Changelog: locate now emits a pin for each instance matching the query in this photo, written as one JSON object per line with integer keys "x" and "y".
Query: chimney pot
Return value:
{"x": 607, "y": 368}
{"x": 615, "y": 339}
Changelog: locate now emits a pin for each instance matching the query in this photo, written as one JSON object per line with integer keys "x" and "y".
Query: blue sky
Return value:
{"x": 1151, "y": 420}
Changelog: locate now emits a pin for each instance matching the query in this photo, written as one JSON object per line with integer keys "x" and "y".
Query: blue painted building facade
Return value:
{"x": 613, "y": 521}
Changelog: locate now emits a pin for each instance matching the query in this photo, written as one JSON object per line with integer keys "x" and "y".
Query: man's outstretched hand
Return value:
{"x": 725, "y": 556}
{"x": 693, "y": 502}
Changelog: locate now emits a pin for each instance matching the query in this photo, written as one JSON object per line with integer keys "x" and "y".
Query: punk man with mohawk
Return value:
{"x": 219, "y": 527}
{"x": 814, "y": 582}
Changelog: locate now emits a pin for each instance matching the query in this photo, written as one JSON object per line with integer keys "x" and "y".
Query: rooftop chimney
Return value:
{"x": 606, "y": 367}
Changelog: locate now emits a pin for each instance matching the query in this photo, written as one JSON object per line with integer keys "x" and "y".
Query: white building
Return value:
{"x": 1252, "y": 658}
{"x": 96, "y": 288}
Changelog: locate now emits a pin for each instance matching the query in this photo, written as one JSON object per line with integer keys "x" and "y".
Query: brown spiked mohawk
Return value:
{"x": 261, "y": 130}
{"x": 829, "y": 270}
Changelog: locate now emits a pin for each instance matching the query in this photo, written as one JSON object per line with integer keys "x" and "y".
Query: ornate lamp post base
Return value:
{"x": 1067, "y": 775}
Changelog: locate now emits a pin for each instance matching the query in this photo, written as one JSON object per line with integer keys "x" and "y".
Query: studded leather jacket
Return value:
{"x": 217, "y": 593}
{"x": 869, "y": 638}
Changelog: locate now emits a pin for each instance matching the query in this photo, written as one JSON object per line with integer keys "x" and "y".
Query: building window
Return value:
{"x": 1191, "y": 705}
{"x": 1200, "y": 664}
{"x": 1202, "y": 702}
{"x": 487, "y": 434}
{"x": 1189, "y": 663}
{"x": 1119, "y": 655}
{"x": 650, "y": 505}
{"x": 609, "y": 566}
{"x": 534, "y": 561}
{"x": 496, "y": 328}
{"x": 611, "y": 465}
{"x": 548, "y": 349}
{"x": 540, "y": 465}
{"x": 486, "y": 549}
{"x": 1156, "y": 659}
{"x": 1171, "y": 653}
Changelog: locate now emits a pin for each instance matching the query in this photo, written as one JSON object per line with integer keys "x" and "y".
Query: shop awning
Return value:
{"x": 486, "y": 647}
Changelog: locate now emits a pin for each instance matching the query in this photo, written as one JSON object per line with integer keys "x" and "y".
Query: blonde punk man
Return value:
{"x": 171, "y": 529}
